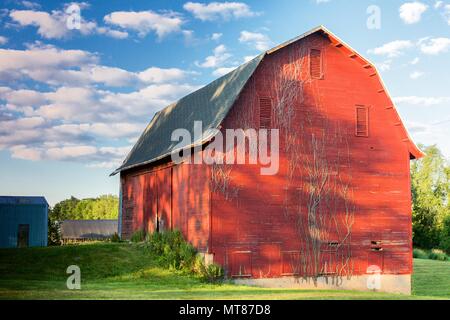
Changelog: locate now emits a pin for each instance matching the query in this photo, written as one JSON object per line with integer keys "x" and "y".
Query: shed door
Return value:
{"x": 23, "y": 235}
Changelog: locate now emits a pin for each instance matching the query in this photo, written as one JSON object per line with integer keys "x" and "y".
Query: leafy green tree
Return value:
{"x": 430, "y": 185}
{"x": 54, "y": 234}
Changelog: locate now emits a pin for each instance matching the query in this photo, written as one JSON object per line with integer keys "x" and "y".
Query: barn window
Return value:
{"x": 265, "y": 113}
{"x": 315, "y": 64}
{"x": 362, "y": 121}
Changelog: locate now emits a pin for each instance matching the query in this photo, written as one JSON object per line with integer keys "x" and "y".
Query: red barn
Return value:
{"x": 337, "y": 213}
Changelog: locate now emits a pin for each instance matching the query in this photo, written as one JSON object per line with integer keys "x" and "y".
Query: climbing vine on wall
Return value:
{"x": 321, "y": 195}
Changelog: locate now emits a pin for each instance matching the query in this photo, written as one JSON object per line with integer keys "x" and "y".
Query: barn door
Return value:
{"x": 164, "y": 203}
{"x": 23, "y": 235}
{"x": 150, "y": 203}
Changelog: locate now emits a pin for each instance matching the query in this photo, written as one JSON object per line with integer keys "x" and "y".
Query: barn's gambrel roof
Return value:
{"x": 212, "y": 103}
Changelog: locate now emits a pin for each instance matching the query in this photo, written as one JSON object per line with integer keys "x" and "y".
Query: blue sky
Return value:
{"x": 75, "y": 97}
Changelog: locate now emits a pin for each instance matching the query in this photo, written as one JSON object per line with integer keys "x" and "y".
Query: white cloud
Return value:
{"x": 322, "y": 1}
{"x": 70, "y": 152}
{"x": 50, "y": 26}
{"x": 249, "y": 58}
{"x": 57, "y": 67}
{"x": 30, "y": 4}
{"x": 392, "y": 49}
{"x": 416, "y": 75}
{"x": 3, "y": 40}
{"x": 422, "y": 101}
{"x": 146, "y": 21}
{"x": 75, "y": 119}
{"x": 438, "y": 4}
{"x": 158, "y": 75}
{"x": 216, "y": 36}
{"x": 113, "y": 33}
{"x": 22, "y": 97}
{"x": 219, "y": 10}
{"x": 115, "y": 77}
{"x": 25, "y": 153}
{"x": 257, "y": 40}
{"x": 219, "y": 57}
{"x": 415, "y": 61}
{"x": 434, "y": 46}
{"x": 446, "y": 13}
{"x": 411, "y": 12}
{"x": 54, "y": 25}
{"x": 222, "y": 71}
{"x": 43, "y": 56}
{"x": 384, "y": 65}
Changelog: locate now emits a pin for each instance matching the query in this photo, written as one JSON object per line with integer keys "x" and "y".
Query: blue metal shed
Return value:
{"x": 23, "y": 221}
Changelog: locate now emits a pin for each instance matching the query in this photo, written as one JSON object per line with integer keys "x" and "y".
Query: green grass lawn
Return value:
{"x": 128, "y": 271}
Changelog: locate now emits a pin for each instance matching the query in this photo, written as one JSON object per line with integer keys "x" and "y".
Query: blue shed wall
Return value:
{"x": 35, "y": 215}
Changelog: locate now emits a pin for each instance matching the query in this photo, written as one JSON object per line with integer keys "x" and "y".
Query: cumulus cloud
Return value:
{"x": 80, "y": 123}
{"x": 416, "y": 75}
{"x": 392, "y": 49}
{"x": 411, "y": 12}
{"x": 446, "y": 13}
{"x": 58, "y": 67}
{"x": 222, "y": 71}
{"x": 384, "y": 65}
{"x": 216, "y": 36}
{"x": 3, "y": 40}
{"x": 146, "y": 21}
{"x": 415, "y": 61}
{"x": 259, "y": 41}
{"x": 219, "y": 57}
{"x": 434, "y": 46}
{"x": 249, "y": 58}
{"x": 219, "y": 10}
{"x": 30, "y": 4}
{"x": 438, "y": 4}
{"x": 158, "y": 75}
{"x": 54, "y": 25}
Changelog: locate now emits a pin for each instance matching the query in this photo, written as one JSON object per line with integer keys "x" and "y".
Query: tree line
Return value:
{"x": 430, "y": 187}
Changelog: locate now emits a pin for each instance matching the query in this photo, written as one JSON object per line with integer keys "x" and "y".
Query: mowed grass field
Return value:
{"x": 129, "y": 271}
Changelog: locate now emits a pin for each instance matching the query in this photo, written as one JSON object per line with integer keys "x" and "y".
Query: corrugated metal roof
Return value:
{"x": 22, "y": 200}
{"x": 88, "y": 229}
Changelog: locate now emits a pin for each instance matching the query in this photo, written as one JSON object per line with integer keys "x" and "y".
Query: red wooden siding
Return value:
{"x": 177, "y": 197}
